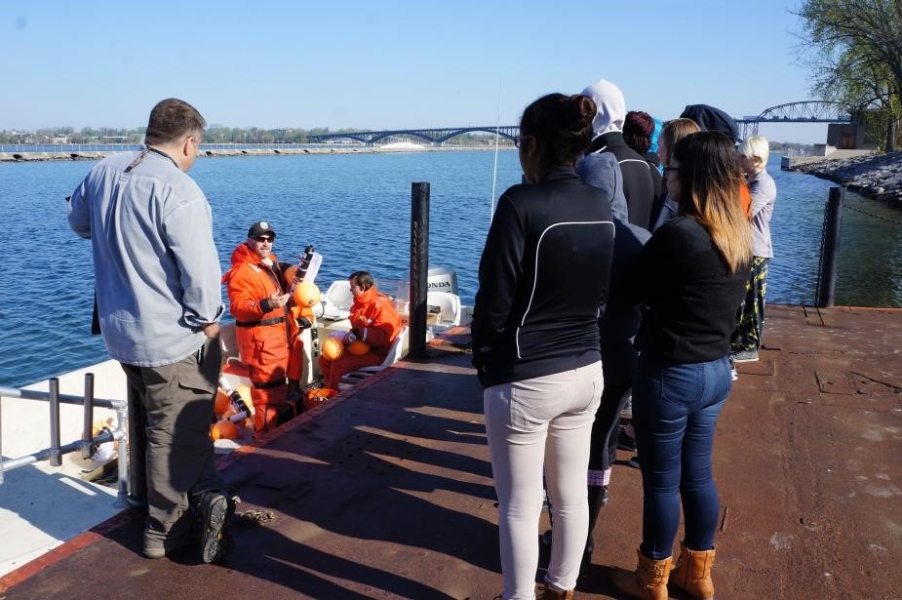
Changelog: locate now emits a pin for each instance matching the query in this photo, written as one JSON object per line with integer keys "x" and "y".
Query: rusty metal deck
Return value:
{"x": 387, "y": 492}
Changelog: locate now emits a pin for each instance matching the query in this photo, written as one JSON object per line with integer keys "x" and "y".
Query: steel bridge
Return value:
{"x": 807, "y": 111}
{"x": 433, "y": 136}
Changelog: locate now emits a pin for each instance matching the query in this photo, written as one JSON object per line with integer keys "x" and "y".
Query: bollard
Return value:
{"x": 419, "y": 267}
{"x": 137, "y": 449}
{"x": 56, "y": 456}
{"x": 830, "y": 252}
{"x": 87, "y": 447}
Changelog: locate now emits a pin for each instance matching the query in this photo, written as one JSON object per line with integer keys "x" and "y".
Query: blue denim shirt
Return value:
{"x": 157, "y": 272}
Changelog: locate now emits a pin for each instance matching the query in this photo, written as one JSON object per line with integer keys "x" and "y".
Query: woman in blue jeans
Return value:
{"x": 691, "y": 277}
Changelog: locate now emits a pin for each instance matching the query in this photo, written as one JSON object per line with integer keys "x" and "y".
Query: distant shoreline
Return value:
{"x": 213, "y": 153}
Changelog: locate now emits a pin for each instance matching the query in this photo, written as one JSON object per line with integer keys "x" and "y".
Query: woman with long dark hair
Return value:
{"x": 691, "y": 276}
{"x": 543, "y": 281}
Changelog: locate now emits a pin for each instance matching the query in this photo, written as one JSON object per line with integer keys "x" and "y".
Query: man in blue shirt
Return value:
{"x": 158, "y": 305}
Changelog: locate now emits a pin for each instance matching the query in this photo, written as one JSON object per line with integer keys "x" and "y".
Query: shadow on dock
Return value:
{"x": 387, "y": 492}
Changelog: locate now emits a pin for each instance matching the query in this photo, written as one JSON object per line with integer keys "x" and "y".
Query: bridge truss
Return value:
{"x": 433, "y": 136}
{"x": 807, "y": 111}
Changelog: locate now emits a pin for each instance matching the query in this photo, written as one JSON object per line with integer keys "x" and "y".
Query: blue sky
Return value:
{"x": 391, "y": 64}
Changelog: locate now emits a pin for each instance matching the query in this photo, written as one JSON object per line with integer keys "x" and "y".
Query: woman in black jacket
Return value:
{"x": 691, "y": 277}
{"x": 543, "y": 281}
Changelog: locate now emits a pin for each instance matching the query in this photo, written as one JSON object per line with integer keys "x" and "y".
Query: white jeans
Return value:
{"x": 542, "y": 421}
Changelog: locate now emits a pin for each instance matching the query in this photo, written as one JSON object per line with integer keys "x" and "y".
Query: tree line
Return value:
{"x": 215, "y": 134}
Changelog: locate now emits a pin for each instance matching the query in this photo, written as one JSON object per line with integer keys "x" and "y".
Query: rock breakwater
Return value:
{"x": 875, "y": 176}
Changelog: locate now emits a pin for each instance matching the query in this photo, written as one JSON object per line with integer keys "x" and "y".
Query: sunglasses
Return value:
{"x": 264, "y": 238}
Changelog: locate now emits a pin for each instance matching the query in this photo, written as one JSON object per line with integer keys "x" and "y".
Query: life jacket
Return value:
{"x": 745, "y": 197}
{"x": 262, "y": 337}
{"x": 377, "y": 322}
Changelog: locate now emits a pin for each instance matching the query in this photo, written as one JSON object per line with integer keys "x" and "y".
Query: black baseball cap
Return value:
{"x": 261, "y": 228}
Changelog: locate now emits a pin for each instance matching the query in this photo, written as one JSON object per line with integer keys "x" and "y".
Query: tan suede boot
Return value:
{"x": 549, "y": 593}
{"x": 692, "y": 572}
{"x": 648, "y": 581}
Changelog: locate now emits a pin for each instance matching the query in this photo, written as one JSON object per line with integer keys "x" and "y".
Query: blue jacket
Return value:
{"x": 156, "y": 269}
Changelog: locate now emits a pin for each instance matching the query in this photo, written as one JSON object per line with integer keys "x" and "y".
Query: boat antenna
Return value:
{"x": 495, "y": 167}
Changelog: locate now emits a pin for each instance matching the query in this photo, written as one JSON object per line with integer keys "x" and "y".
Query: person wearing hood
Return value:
{"x": 258, "y": 300}
{"x": 641, "y": 183}
{"x": 617, "y": 327}
{"x": 710, "y": 118}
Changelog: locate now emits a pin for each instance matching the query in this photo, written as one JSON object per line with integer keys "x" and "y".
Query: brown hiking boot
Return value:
{"x": 692, "y": 572}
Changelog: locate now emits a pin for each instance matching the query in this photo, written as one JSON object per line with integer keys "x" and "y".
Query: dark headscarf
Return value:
{"x": 712, "y": 119}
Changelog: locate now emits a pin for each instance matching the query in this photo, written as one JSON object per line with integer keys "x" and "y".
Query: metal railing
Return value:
{"x": 88, "y": 444}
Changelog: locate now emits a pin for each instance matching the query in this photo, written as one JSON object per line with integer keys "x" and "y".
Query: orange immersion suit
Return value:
{"x": 374, "y": 321}
{"x": 267, "y": 340}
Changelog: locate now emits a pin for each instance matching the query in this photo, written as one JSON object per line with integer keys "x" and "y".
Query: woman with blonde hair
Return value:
{"x": 665, "y": 207}
{"x": 753, "y": 155}
{"x": 691, "y": 276}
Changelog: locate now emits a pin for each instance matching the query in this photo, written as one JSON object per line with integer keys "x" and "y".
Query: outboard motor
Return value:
{"x": 441, "y": 279}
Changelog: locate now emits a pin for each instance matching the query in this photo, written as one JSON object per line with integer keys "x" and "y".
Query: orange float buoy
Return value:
{"x": 306, "y": 294}
{"x": 224, "y": 430}
{"x": 221, "y": 403}
{"x": 332, "y": 349}
{"x": 358, "y": 348}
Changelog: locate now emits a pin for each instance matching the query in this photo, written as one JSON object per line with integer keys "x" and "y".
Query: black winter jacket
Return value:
{"x": 691, "y": 296}
{"x": 641, "y": 181}
{"x": 543, "y": 280}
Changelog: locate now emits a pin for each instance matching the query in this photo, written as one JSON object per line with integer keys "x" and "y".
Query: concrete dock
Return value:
{"x": 386, "y": 492}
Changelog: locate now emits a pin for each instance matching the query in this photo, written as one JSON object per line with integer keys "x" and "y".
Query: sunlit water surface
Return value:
{"x": 355, "y": 209}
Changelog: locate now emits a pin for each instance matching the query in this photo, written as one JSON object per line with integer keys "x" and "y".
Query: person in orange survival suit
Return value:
{"x": 374, "y": 321}
{"x": 265, "y": 333}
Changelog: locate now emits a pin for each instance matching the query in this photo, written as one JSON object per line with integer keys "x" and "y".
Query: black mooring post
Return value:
{"x": 419, "y": 267}
{"x": 830, "y": 262}
{"x": 137, "y": 450}
{"x": 87, "y": 447}
{"x": 56, "y": 457}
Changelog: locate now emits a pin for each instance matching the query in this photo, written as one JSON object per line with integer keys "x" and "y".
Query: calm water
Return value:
{"x": 356, "y": 209}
